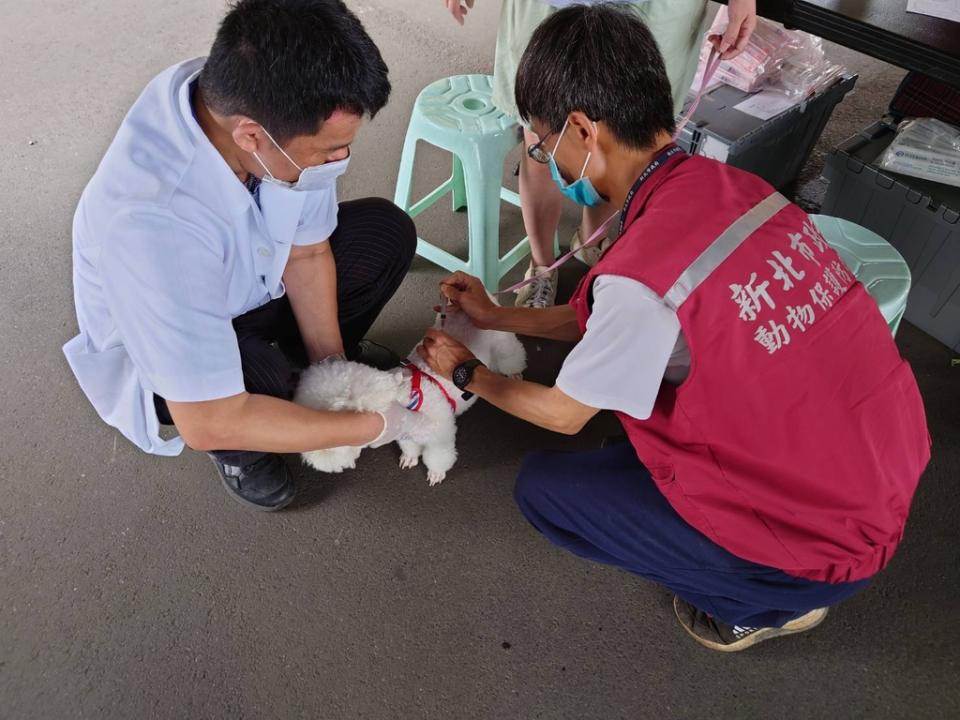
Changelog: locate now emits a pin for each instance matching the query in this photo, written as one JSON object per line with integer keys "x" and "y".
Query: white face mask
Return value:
{"x": 316, "y": 177}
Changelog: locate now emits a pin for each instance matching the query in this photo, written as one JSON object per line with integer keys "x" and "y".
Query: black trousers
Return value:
{"x": 373, "y": 247}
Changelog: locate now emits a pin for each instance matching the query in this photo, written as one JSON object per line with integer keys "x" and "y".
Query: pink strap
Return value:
{"x": 713, "y": 62}
{"x": 597, "y": 236}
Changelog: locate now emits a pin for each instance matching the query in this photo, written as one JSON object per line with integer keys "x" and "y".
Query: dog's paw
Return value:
{"x": 435, "y": 477}
{"x": 409, "y": 461}
{"x": 516, "y": 376}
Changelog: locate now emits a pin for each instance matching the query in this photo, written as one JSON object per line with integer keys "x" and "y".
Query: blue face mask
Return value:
{"x": 581, "y": 191}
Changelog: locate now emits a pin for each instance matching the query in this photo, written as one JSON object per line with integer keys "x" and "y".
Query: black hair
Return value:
{"x": 602, "y": 61}
{"x": 289, "y": 64}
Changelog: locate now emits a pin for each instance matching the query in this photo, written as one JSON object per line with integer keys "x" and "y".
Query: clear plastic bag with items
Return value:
{"x": 790, "y": 61}
{"x": 925, "y": 148}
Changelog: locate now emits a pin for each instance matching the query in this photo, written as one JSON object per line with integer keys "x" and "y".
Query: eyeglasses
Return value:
{"x": 536, "y": 151}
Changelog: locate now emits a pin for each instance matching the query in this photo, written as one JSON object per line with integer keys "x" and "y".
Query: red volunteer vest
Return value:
{"x": 799, "y": 436}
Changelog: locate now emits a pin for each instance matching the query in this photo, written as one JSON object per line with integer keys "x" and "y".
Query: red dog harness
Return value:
{"x": 416, "y": 392}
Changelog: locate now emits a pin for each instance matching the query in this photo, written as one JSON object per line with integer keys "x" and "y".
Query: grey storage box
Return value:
{"x": 775, "y": 149}
{"x": 920, "y": 218}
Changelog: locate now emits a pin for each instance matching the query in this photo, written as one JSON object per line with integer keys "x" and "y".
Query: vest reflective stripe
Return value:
{"x": 721, "y": 248}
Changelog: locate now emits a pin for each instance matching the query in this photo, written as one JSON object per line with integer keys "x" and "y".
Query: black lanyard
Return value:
{"x": 658, "y": 162}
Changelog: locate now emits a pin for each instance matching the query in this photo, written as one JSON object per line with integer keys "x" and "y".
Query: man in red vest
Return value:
{"x": 775, "y": 435}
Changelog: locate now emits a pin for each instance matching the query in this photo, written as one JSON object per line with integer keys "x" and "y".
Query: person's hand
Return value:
{"x": 458, "y": 8}
{"x": 465, "y": 292}
{"x": 743, "y": 20}
{"x": 442, "y": 353}
{"x": 402, "y": 424}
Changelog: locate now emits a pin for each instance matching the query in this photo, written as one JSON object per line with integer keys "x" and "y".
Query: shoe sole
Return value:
{"x": 803, "y": 623}
{"x": 582, "y": 256}
{"x": 247, "y": 503}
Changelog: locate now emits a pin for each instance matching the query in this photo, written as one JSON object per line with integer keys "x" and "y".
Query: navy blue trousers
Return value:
{"x": 603, "y": 505}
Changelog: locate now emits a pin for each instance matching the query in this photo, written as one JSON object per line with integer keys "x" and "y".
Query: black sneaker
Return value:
{"x": 265, "y": 484}
{"x": 712, "y": 633}
{"x": 374, "y": 355}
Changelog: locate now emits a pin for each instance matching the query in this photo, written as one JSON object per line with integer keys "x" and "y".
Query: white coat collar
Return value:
{"x": 281, "y": 208}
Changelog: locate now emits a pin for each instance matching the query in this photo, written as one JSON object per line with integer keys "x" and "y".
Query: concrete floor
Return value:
{"x": 132, "y": 587}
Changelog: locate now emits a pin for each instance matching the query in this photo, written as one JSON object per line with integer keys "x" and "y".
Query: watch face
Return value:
{"x": 463, "y": 373}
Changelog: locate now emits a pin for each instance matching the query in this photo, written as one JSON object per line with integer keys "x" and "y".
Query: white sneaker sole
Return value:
{"x": 803, "y": 623}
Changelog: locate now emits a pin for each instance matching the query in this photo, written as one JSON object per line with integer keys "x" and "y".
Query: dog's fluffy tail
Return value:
{"x": 344, "y": 385}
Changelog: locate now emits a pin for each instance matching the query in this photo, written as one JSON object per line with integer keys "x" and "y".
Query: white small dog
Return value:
{"x": 344, "y": 385}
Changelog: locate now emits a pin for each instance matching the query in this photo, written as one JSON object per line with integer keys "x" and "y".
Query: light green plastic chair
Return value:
{"x": 874, "y": 261}
{"x": 457, "y": 114}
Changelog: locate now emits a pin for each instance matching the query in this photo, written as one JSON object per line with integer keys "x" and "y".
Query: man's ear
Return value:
{"x": 248, "y": 135}
{"x": 585, "y": 129}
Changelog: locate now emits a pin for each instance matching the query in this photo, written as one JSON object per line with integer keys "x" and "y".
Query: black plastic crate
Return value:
{"x": 775, "y": 149}
{"x": 920, "y": 218}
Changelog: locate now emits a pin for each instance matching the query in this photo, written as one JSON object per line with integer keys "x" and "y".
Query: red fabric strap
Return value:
{"x": 416, "y": 392}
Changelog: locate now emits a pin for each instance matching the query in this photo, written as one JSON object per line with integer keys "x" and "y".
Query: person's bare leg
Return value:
{"x": 540, "y": 204}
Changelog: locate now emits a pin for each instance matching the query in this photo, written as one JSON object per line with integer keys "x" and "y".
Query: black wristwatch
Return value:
{"x": 463, "y": 376}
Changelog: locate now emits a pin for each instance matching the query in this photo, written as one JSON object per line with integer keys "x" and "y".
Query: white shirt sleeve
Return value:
{"x": 166, "y": 289}
{"x": 318, "y": 219}
{"x": 631, "y": 340}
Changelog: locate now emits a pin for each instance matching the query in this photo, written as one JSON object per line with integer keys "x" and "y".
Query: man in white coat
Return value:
{"x": 212, "y": 258}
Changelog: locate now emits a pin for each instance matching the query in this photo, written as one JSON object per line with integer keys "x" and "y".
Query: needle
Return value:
{"x": 443, "y": 310}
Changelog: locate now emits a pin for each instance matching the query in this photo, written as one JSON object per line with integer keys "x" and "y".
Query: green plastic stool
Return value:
{"x": 457, "y": 114}
{"x": 874, "y": 261}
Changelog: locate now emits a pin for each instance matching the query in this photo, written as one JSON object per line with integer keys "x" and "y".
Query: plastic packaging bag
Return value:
{"x": 925, "y": 148}
{"x": 806, "y": 70}
{"x": 790, "y": 61}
